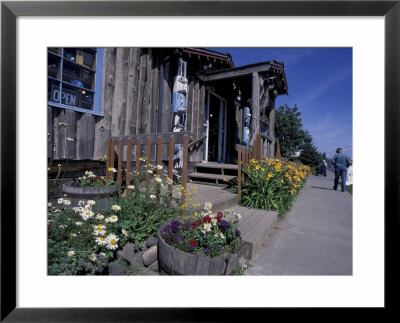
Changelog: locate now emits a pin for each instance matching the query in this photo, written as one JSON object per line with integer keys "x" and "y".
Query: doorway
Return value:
{"x": 216, "y": 121}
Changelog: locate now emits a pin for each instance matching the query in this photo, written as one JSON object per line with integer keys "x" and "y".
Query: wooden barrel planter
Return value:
{"x": 102, "y": 195}
{"x": 173, "y": 261}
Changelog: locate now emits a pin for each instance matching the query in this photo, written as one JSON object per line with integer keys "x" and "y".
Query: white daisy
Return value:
{"x": 112, "y": 219}
{"x": 99, "y": 216}
{"x": 131, "y": 187}
{"x": 88, "y": 207}
{"x": 81, "y": 203}
{"x": 99, "y": 232}
{"x": 93, "y": 257}
{"x": 101, "y": 241}
{"x": 102, "y": 254}
{"x": 116, "y": 207}
{"x": 60, "y": 200}
{"x": 87, "y": 214}
{"x": 67, "y": 202}
{"x": 158, "y": 179}
{"x": 152, "y": 196}
{"x": 78, "y": 223}
{"x": 124, "y": 232}
{"x": 159, "y": 167}
{"x": 91, "y": 202}
{"x": 150, "y": 171}
{"x": 73, "y": 235}
{"x": 71, "y": 253}
{"x": 112, "y": 241}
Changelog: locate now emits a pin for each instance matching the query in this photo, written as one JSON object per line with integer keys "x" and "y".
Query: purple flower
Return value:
{"x": 223, "y": 225}
{"x": 166, "y": 230}
{"x": 175, "y": 226}
{"x": 237, "y": 233}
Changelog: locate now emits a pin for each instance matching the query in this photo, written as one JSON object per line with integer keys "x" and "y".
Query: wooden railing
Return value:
{"x": 245, "y": 154}
{"x": 135, "y": 143}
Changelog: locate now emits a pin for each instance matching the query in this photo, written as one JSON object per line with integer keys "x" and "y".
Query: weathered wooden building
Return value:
{"x": 98, "y": 93}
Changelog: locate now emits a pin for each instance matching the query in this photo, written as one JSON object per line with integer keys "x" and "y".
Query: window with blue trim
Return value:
{"x": 74, "y": 78}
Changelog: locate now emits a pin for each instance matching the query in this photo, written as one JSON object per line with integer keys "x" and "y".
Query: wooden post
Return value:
{"x": 239, "y": 177}
{"x": 184, "y": 166}
{"x": 108, "y": 163}
{"x": 148, "y": 157}
{"x": 255, "y": 103}
{"x": 111, "y": 156}
{"x": 159, "y": 155}
{"x": 170, "y": 166}
{"x": 119, "y": 172}
{"x": 137, "y": 174}
{"x": 128, "y": 166}
{"x": 271, "y": 129}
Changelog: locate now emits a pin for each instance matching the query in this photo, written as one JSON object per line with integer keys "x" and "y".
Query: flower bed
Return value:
{"x": 84, "y": 238}
{"x": 203, "y": 246}
{"x": 272, "y": 184}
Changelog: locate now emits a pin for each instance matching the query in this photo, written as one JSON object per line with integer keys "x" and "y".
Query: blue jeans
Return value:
{"x": 340, "y": 171}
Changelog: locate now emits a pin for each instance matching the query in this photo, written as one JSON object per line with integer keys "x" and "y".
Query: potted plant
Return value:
{"x": 207, "y": 245}
{"x": 92, "y": 187}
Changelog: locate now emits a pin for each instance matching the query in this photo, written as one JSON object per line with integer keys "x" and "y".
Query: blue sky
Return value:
{"x": 320, "y": 83}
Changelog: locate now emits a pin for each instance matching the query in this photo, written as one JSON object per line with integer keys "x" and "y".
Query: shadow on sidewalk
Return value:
{"x": 323, "y": 188}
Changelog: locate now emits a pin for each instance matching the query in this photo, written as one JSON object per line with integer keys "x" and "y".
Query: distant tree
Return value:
{"x": 310, "y": 155}
{"x": 289, "y": 131}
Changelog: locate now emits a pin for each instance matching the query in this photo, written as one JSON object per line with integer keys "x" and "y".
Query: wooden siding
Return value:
{"x": 136, "y": 99}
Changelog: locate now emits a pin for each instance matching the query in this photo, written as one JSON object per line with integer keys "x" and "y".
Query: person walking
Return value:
{"x": 340, "y": 161}
{"x": 323, "y": 167}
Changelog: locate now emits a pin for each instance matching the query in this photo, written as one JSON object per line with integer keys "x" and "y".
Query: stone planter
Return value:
{"x": 172, "y": 261}
{"x": 102, "y": 195}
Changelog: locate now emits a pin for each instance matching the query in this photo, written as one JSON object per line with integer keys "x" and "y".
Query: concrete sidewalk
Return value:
{"x": 315, "y": 237}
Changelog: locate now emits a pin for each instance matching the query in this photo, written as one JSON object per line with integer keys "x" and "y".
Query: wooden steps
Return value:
{"x": 255, "y": 226}
{"x": 212, "y": 173}
{"x": 220, "y": 197}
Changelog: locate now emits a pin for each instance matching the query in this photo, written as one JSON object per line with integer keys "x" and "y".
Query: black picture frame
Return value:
{"x": 10, "y": 10}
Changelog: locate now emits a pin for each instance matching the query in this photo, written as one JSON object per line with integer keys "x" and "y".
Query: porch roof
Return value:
{"x": 277, "y": 68}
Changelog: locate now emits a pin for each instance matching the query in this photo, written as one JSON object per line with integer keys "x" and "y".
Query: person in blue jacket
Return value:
{"x": 340, "y": 161}
{"x": 323, "y": 168}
